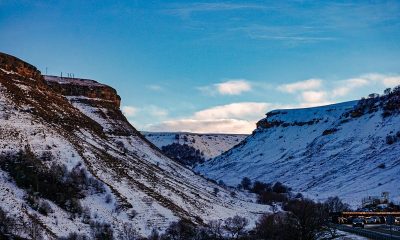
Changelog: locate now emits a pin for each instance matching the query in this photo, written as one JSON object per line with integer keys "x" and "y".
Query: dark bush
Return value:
{"x": 44, "y": 208}
{"x": 310, "y": 218}
{"x": 154, "y": 235}
{"x": 390, "y": 139}
{"x": 260, "y": 187}
{"x": 276, "y": 227}
{"x": 86, "y": 215}
{"x": 55, "y": 183}
{"x": 101, "y": 231}
{"x": 108, "y": 198}
{"x": 7, "y": 225}
{"x": 221, "y": 183}
{"x": 132, "y": 214}
{"x": 271, "y": 197}
{"x": 280, "y": 188}
{"x": 382, "y": 166}
{"x": 245, "y": 183}
{"x": 216, "y": 191}
{"x": 75, "y": 236}
{"x": 181, "y": 230}
{"x": 236, "y": 226}
{"x": 329, "y": 131}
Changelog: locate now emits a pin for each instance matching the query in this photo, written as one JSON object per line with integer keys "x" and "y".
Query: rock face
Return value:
{"x": 83, "y": 88}
{"x": 59, "y": 127}
{"x": 13, "y": 64}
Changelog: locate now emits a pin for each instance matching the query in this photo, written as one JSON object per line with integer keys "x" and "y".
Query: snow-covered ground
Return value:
{"x": 211, "y": 145}
{"x": 319, "y": 152}
{"x": 349, "y": 236}
{"x": 94, "y": 133}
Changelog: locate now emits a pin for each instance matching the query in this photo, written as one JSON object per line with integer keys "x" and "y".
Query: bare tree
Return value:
{"x": 154, "y": 235}
{"x": 279, "y": 226}
{"x": 129, "y": 232}
{"x": 34, "y": 229}
{"x": 334, "y": 204}
{"x": 310, "y": 218}
{"x": 216, "y": 229}
{"x": 6, "y": 224}
{"x": 236, "y": 226}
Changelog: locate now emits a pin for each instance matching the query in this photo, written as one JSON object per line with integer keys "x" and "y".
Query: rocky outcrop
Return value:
{"x": 83, "y": 88}
{"x": 12, "y": 64}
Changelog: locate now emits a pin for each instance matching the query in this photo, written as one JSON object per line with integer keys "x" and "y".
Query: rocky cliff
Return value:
{"x": 15, "y": 65}
{"x": 83, "y": 88}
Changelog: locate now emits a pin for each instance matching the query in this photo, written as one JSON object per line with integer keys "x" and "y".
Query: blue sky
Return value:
{"x": 211, "y": 66}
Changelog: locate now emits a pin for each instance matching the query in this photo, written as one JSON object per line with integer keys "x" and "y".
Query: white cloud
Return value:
{"x": 129, "y": 111}
{"x": 149, "y": 111}
{"x": 348, "y": 85}
{"x": 314, "y": 96}
{"x": 243, "y": 110}
{"x": 230, "y": 87}
{"x": 391, "y": 81}
{"x": 233, "y": 87}
{"x": 385, "y": 80}
{"x": 310, "y": 84}
{"x": 317, "y": 92}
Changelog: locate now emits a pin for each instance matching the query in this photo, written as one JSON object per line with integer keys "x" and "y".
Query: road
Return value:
{"x": 372, "y": 231}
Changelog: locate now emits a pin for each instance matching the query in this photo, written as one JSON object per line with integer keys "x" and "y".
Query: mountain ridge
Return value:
{"x": 91, "y": 134}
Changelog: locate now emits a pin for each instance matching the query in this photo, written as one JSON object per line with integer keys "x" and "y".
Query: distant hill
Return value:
{"x": 210, "y": 145}
{"x": 350, "y": 149}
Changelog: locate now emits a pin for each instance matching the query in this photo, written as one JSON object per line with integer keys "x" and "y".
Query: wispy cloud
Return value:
{"x": 129, "y": 111}
{"x": 309, "y": 84}
{"x": 155, "y": 87}
{"x": 186, "y": 10}
{"x": 287, "y": 33}
{"x": 349, "y": 85}
{"x": 156, "y": 111}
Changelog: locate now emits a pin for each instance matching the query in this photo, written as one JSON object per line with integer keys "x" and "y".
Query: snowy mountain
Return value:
{"x": 210, "y": 145}
{"x": 349, "y": 149}
{"x": 69, "y": 134}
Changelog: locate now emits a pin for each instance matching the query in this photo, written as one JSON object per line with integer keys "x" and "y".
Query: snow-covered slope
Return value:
{"x": 211, "y": 145}
{"x": 79, "y": 122}
{"x": 321, "y": 151}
